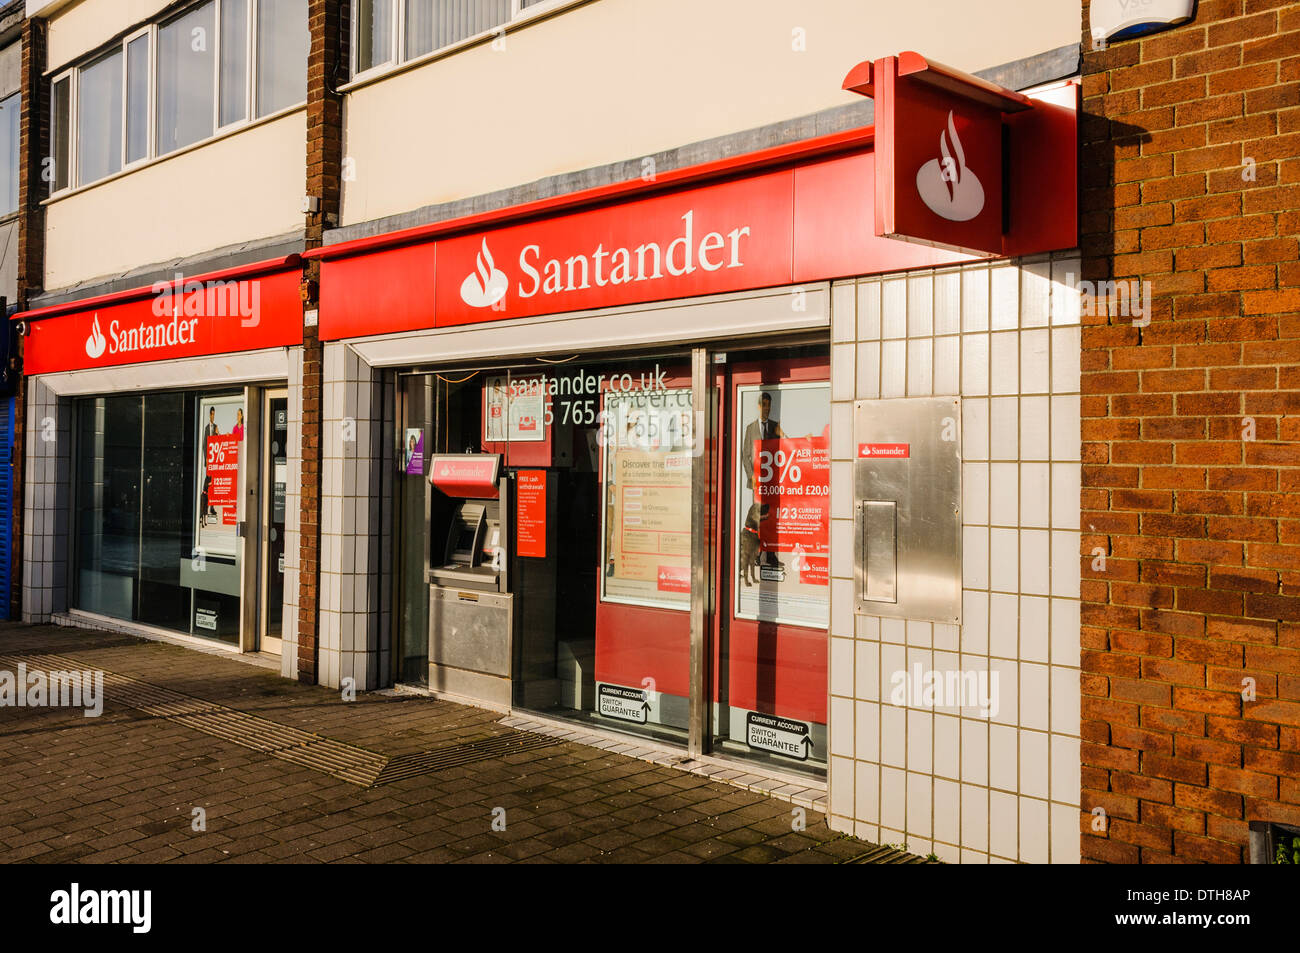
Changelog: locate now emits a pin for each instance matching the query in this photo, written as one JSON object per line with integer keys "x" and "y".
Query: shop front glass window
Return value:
{"x": 587, "y": 547}
{"x": 157, "y": 510}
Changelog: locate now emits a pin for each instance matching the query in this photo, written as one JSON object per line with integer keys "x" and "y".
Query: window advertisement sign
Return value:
{"x": 530, "y": 513}
{"x": 646, "y": 486}
{"x": 413, "y": 452}
{"x": 514, "y": 410}
{"x": 220, "y": 446}
{"x": 782, "y": 522}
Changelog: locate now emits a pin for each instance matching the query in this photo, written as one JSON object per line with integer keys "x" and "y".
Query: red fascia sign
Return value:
{"x": 795, "y": 223}
{"x": 817, "y": 210}
{"x": 241, "y": 309}
{"x": 948, "y": 145}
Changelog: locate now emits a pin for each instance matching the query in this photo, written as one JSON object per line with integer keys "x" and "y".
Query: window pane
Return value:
{"x": 374, "y": 33}
{"x": 459, "y": 19}
{"x": 234, "y": 61}
{"x": 145, "y": 509}
{"x": 419, "y": 28}
{"x": 108, "y": 504}
{"x": 137, "y": 98}
{"x": 99, "y": 119}
{"x": 60, "y": 136}
{"x": 9, "y": 110}
{"x": 282, "y": 40}
{"x": 185, "y": 79}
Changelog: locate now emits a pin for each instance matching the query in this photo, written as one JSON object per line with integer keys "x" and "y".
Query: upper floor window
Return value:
{"x": 388, "y": 32}
{"x": 175, "y": 83}
{"x": 10, "y": 108}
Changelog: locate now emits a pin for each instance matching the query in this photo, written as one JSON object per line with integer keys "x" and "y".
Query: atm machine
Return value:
{"x": 471, "y": 609}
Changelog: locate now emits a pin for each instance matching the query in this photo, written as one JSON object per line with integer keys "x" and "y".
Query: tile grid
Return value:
{"x": 45, "y": 502}
{"x": 292, "y": 527}
{"x": 930, "y": 333}
{"x": 350, "y": 616}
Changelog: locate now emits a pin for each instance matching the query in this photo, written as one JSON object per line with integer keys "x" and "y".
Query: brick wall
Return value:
{"x": 326, "y": 61}
{"x": 33, "y": 146}
{"x": 1191, "y": 522}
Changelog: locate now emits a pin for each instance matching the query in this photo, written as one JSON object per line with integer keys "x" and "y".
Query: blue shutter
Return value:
{"x": 6, "y": 502}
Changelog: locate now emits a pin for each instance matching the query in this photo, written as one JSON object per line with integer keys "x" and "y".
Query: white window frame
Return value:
{"x": 150, "y": 95}
{"x": 71, "y": 76}
{"x": 152, "y": 153}
{"x": 17, "y": 93}
{"x": 394, "y": 40}
{"x": 397, "y": 58}
{"x": 254, "y": 37}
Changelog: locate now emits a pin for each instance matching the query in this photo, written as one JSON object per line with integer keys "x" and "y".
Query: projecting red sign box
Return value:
{"x": 877, "y": 450}
{"x": 466, "y": 475}
{"x": 947, "y": 146}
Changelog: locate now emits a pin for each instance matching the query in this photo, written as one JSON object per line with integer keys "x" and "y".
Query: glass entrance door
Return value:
{"x": 770, "y": 663}
{"x": 275, "y": 480}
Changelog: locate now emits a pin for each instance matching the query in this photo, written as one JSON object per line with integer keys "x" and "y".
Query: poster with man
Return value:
{"x": 782, "y": 527}
{"x": 220, "y": 450}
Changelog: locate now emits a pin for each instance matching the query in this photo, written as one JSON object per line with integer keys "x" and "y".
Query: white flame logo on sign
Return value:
{"x": 486, "y": 285}
{"x": 96, "y": 343}
{"x": 947, "y": 186}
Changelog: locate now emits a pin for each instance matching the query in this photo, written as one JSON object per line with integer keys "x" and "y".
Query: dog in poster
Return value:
{"x": 751, "y": 545}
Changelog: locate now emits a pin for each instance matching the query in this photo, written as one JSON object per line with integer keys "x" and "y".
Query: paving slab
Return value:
{"x": 281, "y": 772}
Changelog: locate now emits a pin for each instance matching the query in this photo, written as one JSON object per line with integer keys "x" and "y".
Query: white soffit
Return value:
{"x": 798, "y": 308}
{"x": 216, "y": 370}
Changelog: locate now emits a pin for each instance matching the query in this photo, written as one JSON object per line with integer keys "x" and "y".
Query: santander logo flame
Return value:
{"x": 947, "y": 186}
{"x": 486, "y": 285}
{"x": 96, "y": 343}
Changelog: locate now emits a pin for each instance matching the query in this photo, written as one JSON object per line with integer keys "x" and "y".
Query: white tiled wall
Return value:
{"x": 1006, "y": 338}
{"x": 292, "y": 521}
{"x": 354, "y": 486}
{"x": 45, "y": 502}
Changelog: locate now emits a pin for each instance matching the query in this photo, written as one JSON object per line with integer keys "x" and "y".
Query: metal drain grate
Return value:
{"x": 889, "y": 855}
{"x": 427, "y": 762}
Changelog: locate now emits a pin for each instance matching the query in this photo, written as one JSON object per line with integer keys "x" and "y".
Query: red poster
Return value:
{"x": 793, "y": 481}
{"x": 223, "y": 471}
{"x": 530, "y": 513}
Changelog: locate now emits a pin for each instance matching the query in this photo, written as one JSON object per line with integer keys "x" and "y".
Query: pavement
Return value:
{"x": 206, "y": 758}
